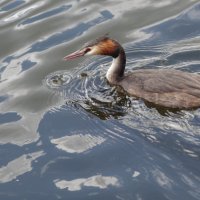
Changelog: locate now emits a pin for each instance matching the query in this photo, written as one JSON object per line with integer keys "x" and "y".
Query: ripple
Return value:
{"x": 87, "y": 87}
{"x": 12, "y": 5}
{"x": 9, "y": 117}
{"x": 77, "y": 143}
{"x": 58, "y": 79}
{"x": 45, "y": 15}
{"x": 21, "y": 13}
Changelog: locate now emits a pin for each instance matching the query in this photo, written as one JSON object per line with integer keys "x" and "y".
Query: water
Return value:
{"x": 65, "y": 133}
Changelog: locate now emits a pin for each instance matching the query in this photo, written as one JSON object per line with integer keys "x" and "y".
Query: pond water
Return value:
{"x": 78, "y": 137}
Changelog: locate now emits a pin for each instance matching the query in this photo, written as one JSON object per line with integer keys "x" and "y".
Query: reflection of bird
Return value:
{"x": 169, "y": 88}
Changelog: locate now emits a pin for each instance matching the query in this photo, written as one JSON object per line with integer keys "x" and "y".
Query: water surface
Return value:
{"x": 80, "y": 138}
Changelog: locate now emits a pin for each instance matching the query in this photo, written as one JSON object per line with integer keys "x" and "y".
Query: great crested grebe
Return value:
{"x": 165, "y": 87}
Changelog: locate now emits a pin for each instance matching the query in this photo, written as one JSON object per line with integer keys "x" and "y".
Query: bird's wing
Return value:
{"x": 166, "y": 81}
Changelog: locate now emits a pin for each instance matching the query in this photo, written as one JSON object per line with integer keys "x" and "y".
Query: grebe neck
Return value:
{"x": 116, "y": 70}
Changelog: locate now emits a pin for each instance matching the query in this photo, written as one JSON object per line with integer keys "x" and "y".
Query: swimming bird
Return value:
{"x": 164, "y": 87}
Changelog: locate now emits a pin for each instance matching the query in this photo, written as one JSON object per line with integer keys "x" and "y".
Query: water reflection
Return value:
{"x": 21, "y": 13}
{"x": 16, "y": 66}
{"x": 69, "y": 34}
{"x": 12, "y": 5}
{"x": 183, "y": 28}
{"x": 9, "y": 117}
{"x": 86, "y": 135}
{"x": 18, "y": 167}
{"x": 161, "y": 179}
{"x": 51, "y": 41}
{"x": 98, "y": 181}
{"x": 45, "y": 15}
{"x": 118, "y": 6}
{"x": 77, "y": 143}
{"x": 135, "y": 174}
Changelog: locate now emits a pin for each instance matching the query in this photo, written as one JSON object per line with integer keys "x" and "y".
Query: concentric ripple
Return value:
{"x": 87, "y": 87}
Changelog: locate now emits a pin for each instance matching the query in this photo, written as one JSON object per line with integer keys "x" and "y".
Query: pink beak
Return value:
{"x": 76, "y": 54}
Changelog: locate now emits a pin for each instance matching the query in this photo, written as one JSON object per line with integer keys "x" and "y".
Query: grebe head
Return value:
{"x": 100, "y": 46}
{"x": 109, "y": 47}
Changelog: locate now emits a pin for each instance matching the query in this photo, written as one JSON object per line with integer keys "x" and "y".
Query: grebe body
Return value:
{"x": 164, "y": 87}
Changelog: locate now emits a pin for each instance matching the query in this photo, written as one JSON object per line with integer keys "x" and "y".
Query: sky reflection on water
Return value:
{"x": 86, "y": 140}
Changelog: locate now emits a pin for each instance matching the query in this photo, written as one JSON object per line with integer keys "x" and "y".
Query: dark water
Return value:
{"x": 83, "y": 139}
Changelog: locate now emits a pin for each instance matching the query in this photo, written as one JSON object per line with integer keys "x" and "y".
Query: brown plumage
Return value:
{"x": 164, "y": 87}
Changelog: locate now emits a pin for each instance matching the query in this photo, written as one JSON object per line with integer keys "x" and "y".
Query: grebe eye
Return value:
{"x": 87, "y": 50}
